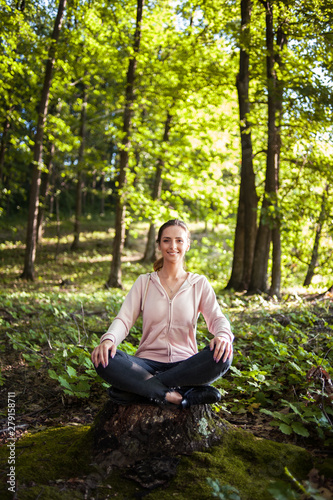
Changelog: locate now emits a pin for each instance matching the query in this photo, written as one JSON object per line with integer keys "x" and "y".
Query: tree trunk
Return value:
{"x": 80, "y": 163}
{"x": 239, "y": 245}
{"x": 31, "y": 240}
{"x": 150, "y": 252}
{"x": 102, "y": 190}
{"x": 127, "y": 239}
{"x": 318, "y": 229}
{"x": 118, "y": 242}
{"x": 93, "y": 191}
{"x": 45, "y": 182}
{"x": 269, "y": 216}
{"x": 246, "y": 228}
{"x": 276, "y": 233}
{"x": 58, "y": 224}
{"x": 3, "y": 147}
{"x": 5, "y": 176}
{"x": 148, "y": 439}
{"x": 276, "y": 262}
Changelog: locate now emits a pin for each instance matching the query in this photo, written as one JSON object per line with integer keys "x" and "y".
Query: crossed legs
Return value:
{"x": 160, "y": 381}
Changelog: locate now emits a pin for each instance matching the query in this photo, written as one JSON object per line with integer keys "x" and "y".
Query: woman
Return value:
{"x": 167, "y": 367}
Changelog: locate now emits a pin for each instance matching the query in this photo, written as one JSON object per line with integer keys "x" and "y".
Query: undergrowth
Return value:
{"x": 54, "y": 323}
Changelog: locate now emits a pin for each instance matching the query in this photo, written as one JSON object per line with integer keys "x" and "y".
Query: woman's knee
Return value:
{"x": 218, "y": 368}
{"x": 101, "y": 370}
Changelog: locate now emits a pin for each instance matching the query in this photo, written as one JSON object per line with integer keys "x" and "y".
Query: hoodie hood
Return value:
{"x": 192, "y": 278}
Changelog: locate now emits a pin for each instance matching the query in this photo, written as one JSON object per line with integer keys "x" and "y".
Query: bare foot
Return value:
{"x": 174, "y": 397}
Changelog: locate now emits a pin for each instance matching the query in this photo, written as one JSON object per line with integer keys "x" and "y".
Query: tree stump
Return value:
{"x": 148, "y": 440}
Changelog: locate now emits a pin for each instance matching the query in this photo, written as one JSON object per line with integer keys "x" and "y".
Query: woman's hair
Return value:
{"x": 158, "y": 264}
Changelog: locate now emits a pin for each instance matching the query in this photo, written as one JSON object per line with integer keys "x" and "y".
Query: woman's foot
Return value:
{"x": 174, "y": 397}
{"x": 201, "y": 395}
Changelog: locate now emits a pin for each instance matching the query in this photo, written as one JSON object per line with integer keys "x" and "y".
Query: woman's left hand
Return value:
{"x": 221, "y": 345}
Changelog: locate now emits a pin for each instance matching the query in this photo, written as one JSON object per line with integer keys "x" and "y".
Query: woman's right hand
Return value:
{"x": 101, "y": 353}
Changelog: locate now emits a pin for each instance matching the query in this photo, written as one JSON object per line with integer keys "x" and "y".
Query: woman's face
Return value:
{"x": 173, "y": 245}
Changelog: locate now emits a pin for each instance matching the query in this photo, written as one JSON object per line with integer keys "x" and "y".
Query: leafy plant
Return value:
{"x": 224, "y": 492}
{"x": 280, "y": 490}
{"x": 274, "y": 352}
{"x": 297, "y": 415}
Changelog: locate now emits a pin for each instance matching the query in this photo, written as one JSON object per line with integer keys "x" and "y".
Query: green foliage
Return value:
{"x": 209, "y": 252}
{"x": 271, "y": 362}
{"x": 187, "y": 66}
{"x": 224, "y": 492}
{"x": 54, "y": 324}
{"x": 59, "y": 338}
{"x": 280, "y": 490}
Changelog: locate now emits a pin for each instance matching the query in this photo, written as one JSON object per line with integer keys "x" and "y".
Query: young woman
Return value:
{"x": 167, "y": 367}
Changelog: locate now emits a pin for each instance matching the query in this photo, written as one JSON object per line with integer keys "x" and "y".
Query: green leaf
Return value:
{"x": 83, "y": 386}
{"x": 292, "y": 406}
{"x": 299, "y": 428}
{"x": 71, "y": 371}
{"x": 282, "y": 491}
{"x": 52, "y": 374}
{"x": 235, "y": 371}
{"x": 286, "y": 429}
{"x": 64, "y": 383}
{"x": 297, "y": 368}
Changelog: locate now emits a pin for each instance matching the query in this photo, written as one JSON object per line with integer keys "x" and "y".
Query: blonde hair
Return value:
{"x": 158, "y": 264}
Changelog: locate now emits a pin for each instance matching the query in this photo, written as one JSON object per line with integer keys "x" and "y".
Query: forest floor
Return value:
{"x": 268, "y": 393}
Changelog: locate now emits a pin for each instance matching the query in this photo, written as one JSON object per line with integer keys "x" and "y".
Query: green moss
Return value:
{"x": 243, "y": 461}
{"x": 56, "y": 453}
{"x": 49, "y": 493}
{"x": 52, "y": 454}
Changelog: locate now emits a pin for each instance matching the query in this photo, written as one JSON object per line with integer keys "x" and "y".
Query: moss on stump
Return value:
{"x": 63, "y": 463}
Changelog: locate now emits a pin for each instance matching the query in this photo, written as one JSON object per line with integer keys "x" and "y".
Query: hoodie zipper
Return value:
{"x": 170, "y": 320}
{"x": 168, "y": 331}
{"x": 163, "y": 291}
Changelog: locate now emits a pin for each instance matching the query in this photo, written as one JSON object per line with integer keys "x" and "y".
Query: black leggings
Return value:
{"x": 154, "y": 379}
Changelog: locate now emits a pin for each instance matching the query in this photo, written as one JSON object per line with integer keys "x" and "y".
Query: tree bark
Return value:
{"x": 45, "y": 182}
{"x": 93, "y": 191}
{"x": 239, "y": 245}
{"x": 148, "y": 439}
{"x": 127, "y": 239}
{"x": 3, "y": 147}
{"x": 276, "y": 233}
{"x": 269, "y": 216}
{"x": 118, "y": 242}
{"x": 58, "y": 224}
{"x": 80, "y": 164}
{"x": 276, "y": 262}
{"x": 318, "y": 229}
{"x": 102, "y": 190}
{"x": 246, "y": 227}
{"x": 31, "y": 239}
{"x": 150, "y": 252}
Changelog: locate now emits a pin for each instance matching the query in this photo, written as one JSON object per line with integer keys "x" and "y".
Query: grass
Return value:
{"x": 49, "y": 327}
{"x": 54, "y": 323}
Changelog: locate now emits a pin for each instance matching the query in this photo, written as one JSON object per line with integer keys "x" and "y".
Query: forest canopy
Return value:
{"x": 210, "y": 111}
{"x": 117, "y": 116}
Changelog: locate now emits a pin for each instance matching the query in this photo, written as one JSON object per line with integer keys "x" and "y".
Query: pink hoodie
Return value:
{"x": 169, "y": 325}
